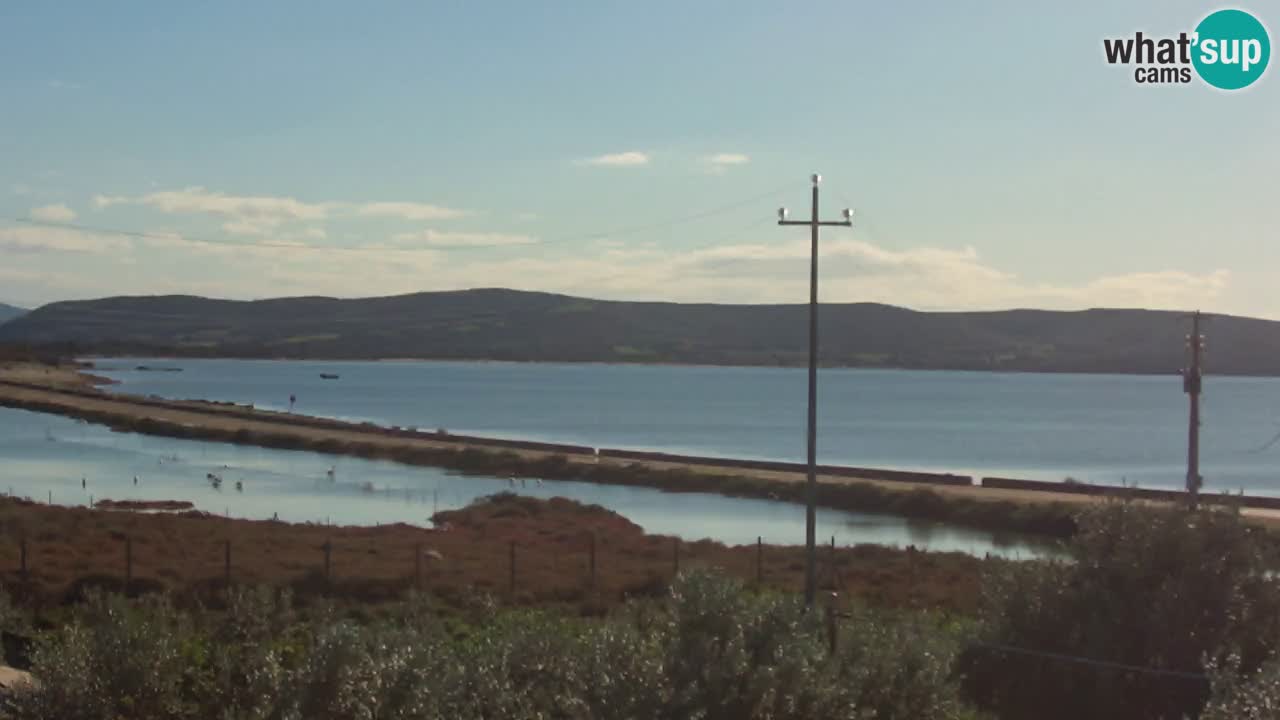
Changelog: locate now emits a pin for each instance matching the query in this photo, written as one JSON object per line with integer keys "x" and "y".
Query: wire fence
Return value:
{"x": 339, "y": 565}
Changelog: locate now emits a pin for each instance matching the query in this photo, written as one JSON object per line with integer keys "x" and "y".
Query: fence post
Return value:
{"x": 513, "y": 570}
{"x": 226, "y": 562}
{"x": 22, "y": 546}
{"x": 832, "y": 560}
{"x": 417, "y": 566}
{"x": 128, "y": 563}
{"x": 759, "y": 560}
{"x": 327, "y": 547}
{"x": 591, "y": 553}
{"x": 831, "y": 624}
{"x": 911, "y": 572}
{"x": 50, "y": 497}
{"x": 675, "y": 556}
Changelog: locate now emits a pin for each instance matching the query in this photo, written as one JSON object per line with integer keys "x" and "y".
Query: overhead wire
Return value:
{"x": 598, "y": 235}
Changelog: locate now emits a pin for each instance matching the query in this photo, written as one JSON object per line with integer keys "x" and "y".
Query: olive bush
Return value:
{"x": 712, "y": 650}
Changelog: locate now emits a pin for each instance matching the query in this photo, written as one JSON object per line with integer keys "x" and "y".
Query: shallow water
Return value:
{"x": 46, "y": 456}
{"x": 1097, "y": 428}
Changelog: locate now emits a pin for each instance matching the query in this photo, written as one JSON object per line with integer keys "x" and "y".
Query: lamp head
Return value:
{"x": 782, "y": 214}
{"x": 848, "y": 214}
{"x": 816, "y": 178}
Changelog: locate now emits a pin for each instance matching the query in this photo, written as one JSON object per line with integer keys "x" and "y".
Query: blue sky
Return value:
{"x": 632, "y": 151}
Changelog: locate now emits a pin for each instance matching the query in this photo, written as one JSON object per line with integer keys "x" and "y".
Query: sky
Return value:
{"x": 992, "y": 158}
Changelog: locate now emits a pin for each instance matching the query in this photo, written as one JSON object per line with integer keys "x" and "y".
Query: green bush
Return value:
{"x": 1237, "y": 697}
{"x": 117, "y": 660}
{"x": 710, "y": 650}
{"x": 1161, "y": 588}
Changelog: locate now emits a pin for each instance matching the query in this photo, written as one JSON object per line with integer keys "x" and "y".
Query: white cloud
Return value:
{"x": 57, "y": 84}
{"x": 433, "y": 238}
{"x": 21, "y": 189}
{"x": 928, "y": 278}
{"x": 852, "y": 270}
{"x": 409, "y": 211}
{"x": 53, "y": 213}
{"x": 36, "y": 239}
{"x": 724, "y": 159}
{"x": 315, "y": 233}
{"x": 248, "y": 227}
{"x": 631, "y": 158}
{"x": 720, "y": 163}
{"x": 263, "y": 215}
{"x": 265, "y": 211}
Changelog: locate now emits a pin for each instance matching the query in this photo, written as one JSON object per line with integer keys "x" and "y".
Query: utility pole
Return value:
{"x": 811, "y": 486}
{"x": 1191, "y": 382}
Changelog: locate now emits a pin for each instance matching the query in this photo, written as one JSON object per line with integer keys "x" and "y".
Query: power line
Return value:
{"x": 733, "y": 234}
{"x": 176, "y": 237}
{"x": 1160, "y": 672}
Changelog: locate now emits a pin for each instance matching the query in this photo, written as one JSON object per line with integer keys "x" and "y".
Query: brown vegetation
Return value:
{"x": 70, "y": 549}
{"x": 107, "y": 504}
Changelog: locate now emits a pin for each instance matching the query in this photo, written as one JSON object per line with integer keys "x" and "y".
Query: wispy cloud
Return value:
{"x": 57, "y": 84}
{"x": 435, "y": 239}
{"x": 260, "y": 210}
{"x": 409, "y": 211}
{"x": 262, "y": 214}
{"x": 20, "y": 189}
{"x": 631, "y": 158}
{"x": 725, "y": 159}
{"x": 38, "y": 239}
{"x": 53, "y": 213}
{"x": 720, "y": 163}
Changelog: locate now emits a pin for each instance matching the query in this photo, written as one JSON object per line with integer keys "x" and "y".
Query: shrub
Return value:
{"x": 710, "y": 650}
{"x": 1162, "y": 588}
{"x": 1237, "y": 697}
{"x": 117, "y": 660}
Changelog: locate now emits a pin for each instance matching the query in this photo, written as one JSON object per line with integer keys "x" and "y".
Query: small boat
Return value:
{"x": 328, "y": 376}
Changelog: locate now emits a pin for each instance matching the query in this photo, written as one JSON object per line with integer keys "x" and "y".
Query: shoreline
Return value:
{"x": 625, "y": 363}
{"x": 1012, "y": 506}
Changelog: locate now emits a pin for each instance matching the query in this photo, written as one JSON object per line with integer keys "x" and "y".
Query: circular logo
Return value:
{"x": 1232, "y": 49}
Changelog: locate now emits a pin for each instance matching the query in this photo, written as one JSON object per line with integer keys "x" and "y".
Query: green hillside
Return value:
{"x": 510, "y": 325}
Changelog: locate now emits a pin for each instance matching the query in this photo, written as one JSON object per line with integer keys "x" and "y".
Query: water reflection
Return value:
{"x": 75, "y": 462}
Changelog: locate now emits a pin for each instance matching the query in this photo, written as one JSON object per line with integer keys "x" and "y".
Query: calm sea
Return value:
{"x": 1098, "y": 428}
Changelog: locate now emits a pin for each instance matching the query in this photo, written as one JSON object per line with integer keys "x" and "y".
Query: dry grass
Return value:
{"x": 69, "y": 549}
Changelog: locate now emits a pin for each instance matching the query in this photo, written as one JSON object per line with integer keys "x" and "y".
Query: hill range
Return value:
{"x": 9, "y": 312}
{"x": 497, "y": 324}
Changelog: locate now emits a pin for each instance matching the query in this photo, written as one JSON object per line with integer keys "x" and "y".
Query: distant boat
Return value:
{"x": 328, "y": 376}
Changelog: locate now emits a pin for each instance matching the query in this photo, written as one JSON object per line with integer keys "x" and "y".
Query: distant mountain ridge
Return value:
{"x": 9, "y": 312}
{"x": 497, "y": 324}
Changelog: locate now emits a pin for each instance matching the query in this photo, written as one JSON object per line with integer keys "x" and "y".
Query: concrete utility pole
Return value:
{"x": 811, "y": 487}
{"x": 1191, "y": 382}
